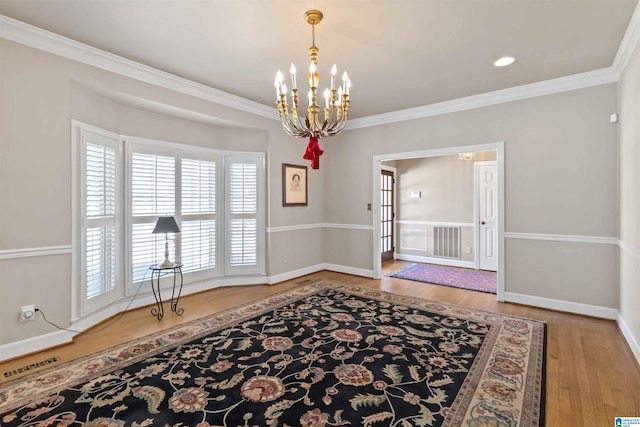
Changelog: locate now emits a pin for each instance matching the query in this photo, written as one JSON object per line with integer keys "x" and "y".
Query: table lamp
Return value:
{"x": 166, "y": 224}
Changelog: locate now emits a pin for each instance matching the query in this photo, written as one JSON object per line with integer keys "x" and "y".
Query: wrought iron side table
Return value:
{"x": 157, "y": 272}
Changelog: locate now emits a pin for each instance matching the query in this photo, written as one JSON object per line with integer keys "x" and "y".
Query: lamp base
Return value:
{"x": 166, "y": 262}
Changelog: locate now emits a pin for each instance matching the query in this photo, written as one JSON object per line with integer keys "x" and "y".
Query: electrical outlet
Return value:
{"x": 284, "y": 259}
{"x": 27, "y": 313}
{"x": 468, "y": 249}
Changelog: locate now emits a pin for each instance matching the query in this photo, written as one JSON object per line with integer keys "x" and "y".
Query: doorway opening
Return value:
{"x": 491, "y": 242}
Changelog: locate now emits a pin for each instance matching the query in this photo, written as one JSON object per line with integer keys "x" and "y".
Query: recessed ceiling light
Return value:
{"x": 504, "y": 61}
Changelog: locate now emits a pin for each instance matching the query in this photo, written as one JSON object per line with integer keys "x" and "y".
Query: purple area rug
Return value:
{"x": 465, "y": 278}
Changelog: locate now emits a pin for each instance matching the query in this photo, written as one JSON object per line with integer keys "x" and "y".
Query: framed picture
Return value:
{"x": 294, "y": 185}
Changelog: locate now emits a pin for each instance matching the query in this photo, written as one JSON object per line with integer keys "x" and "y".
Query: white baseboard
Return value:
{"x": 43, "y": 342}
{"x": 34, "y": 344}
{"x": 147, "y": 298}
{"x": 295, "y": 273}
{"x": 206, "y": 285}
{"x": 348, "y": 270}
{"x": 626, "y": 333}
{"x": 31, "y": 345}
{"x": 319, "y": 267}
{"x": 567, "y": 306}
{"x": 577, "y": 308}
{"x": 433, "y": 260}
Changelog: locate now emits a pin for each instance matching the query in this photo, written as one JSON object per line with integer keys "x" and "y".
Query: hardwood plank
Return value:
{"x": 592, "y": 375}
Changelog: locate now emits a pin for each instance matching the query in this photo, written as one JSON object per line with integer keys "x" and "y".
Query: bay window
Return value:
{"x": 216, "y": 197}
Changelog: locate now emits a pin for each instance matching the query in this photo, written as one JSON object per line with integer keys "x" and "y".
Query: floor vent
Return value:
{"x": 25, "y": 370}
{"x": 446, "y": 242}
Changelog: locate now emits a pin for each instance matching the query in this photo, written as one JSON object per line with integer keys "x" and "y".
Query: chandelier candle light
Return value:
{"x": 336, "y": 105}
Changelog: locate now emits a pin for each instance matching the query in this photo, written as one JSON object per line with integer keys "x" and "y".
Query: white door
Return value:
{"x": 487, "y": 187}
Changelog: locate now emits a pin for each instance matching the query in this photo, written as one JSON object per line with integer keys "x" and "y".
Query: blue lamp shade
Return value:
{"x": 166, "y": 224}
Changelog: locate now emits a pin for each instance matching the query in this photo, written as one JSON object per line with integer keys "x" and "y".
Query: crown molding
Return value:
{"x": 38, "y": 38}
{"x": 629, "y": 42}
{"x": 19, "y": 32}
{"x": 547, "y": 87}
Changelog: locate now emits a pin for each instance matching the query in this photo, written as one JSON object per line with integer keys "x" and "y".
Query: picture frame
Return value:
{"x": 294, "y": 185}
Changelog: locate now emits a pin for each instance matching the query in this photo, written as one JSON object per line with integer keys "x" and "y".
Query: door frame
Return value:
{"x": 395, "y": 195}
{"x": 498, "y": 147}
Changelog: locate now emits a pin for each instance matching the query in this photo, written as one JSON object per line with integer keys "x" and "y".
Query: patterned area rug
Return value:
{"x": 465, "y": 278}
{"x": 322, "y": 354}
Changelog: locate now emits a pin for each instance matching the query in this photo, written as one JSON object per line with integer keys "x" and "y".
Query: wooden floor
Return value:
{"x": 592, "y": 375}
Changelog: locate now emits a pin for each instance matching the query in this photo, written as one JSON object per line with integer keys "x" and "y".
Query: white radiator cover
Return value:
{"x": 446, "y": 242}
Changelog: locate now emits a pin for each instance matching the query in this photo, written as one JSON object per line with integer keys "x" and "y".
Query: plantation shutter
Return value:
{"x": 100, "y": 165}
{"x": 245, "y": 203}
{"x": 198, "y": 228}
{"x": 216, "y": 197}
{"x": 153, "y": 194}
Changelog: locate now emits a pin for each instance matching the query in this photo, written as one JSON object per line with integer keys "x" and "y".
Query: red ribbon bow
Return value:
{"x": 313, "y": 152}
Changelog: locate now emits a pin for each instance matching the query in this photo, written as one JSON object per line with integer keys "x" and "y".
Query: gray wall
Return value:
{"x": 560, "y": 179}
{"x": 445, "y": 185}
{"x": 629, "y": 149}
{"x": 560, "y": 163}
{"x": 41, "y": 94}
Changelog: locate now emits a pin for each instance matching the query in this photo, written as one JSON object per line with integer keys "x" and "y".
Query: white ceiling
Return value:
{"x": 399, "y": 53}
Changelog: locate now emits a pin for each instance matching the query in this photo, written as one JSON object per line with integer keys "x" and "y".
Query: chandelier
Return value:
{"x": 336, "y": 103}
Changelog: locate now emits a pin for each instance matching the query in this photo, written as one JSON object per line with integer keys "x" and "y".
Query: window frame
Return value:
{"x": 131, "y": 146}
{"x": 259, "y": 160}
{"x": 215, "y": 158}
{"x": 80, "y": 304}
{"x": 203, "y": 279}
